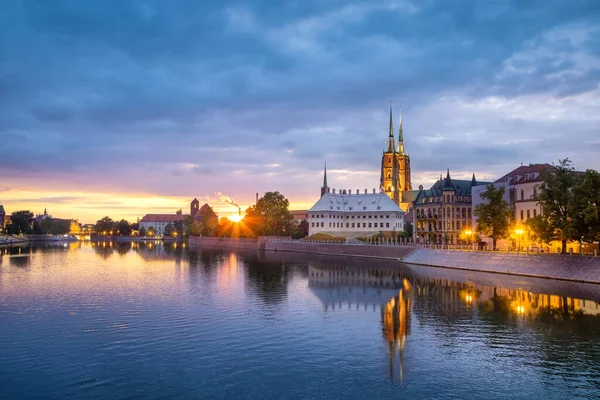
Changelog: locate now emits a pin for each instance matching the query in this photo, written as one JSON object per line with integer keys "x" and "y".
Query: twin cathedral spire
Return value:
{"x": 395, "y": 165}
{"x": 395, "y": 169}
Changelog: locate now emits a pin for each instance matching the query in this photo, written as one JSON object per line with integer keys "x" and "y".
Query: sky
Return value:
{"x": 123, "y": 108}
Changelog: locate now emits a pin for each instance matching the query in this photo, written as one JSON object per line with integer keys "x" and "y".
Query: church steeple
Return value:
{"x": 400, "y": 136}
{"x": 391, "y": 143}
{"x": 324, "y": 188}
{"x": 473, "y": 181}
{"x": 391, "y": 123}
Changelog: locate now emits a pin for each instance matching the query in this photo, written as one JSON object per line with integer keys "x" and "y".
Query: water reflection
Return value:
{"x": 448, "y": 305}
{"x": 233, "y": 316}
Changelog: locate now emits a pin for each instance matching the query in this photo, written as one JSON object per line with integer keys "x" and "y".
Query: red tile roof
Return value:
{"x": 162, "y": 218}
{"x": 524, "y": 174}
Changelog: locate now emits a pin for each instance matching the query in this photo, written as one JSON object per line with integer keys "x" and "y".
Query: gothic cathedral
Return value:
{"x": 395, "y": 169}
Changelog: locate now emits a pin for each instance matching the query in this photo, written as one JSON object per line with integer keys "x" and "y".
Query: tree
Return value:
{"x": 104, "y": 226}
{"x": 493, "y": 217}
{"x": 586, "y": 206}
{"x": 169, "y": 229}
{"x": 142, "y": 231}
{"x": 21, "y": 222}
{"x": 195, "y": 229}
{"x": 178, "y": 226}
{"x": 124, "y": 228}
{"x": 151, "y": 231}
{"x": 37, "y": 228}
{"x": 303, "y": 228}
{"x": 408, "y": 230}
{"x": 557, "y": 200}
{"x": 55, "y": 226}
{"x": 270, "y": 216}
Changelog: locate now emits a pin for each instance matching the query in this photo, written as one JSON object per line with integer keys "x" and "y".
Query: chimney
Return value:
{"x": 365, "y": 191}
{"x": 357, "y": 191}
{"x": 333, "y": 190}
{"x": 349, "y": 191}
{"x": 256, "y": 197}
{"x": 373, "y": 190}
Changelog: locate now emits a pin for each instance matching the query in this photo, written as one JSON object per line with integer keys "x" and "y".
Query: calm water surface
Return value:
{"x": 152, "y": 321}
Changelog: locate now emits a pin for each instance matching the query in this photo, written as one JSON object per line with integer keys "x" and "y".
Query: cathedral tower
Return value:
{"x": 395, "y": 167}
{"x": 403, "y": 162}
{"x": 389, "y": 166}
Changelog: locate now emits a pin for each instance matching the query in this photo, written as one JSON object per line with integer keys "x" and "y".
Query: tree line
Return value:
{"x": 22, "y": 222}
{"x": 569, "y": 203}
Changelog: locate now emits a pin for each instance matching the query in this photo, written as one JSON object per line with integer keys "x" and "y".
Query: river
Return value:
{"x": 143, "y": 320}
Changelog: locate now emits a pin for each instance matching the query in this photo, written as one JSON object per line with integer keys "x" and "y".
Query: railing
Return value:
{"x": 473, "y": 248}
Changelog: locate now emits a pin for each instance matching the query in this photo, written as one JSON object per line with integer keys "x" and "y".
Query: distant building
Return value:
{"x": 194, "y": 207}
{"x": 443, "y": 211}
{"x": 2, "y": 217}
{"x": 40, "y": 217}
{"x": 88, "y": 229}
{"x": 158, "y": 222}
{"x": 355, "y": 215}
{"x": 299, "y": 215}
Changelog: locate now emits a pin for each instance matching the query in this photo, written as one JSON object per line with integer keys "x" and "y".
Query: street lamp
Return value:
{"x": 519, "y": 233}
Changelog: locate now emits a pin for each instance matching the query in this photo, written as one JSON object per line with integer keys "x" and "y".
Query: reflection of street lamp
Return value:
{"x": 519, "y": 233}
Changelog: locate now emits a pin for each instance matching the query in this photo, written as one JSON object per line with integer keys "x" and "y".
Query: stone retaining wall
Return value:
{"x": 393, "y": 252}
{"x": 225, "y": 243}
{"x": 564, "y": 267}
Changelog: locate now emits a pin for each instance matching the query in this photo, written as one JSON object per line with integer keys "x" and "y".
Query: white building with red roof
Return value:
{"x": 523, "y": 184}
{"x": 158, "y": 222}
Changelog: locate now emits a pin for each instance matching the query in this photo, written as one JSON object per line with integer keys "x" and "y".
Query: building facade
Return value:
{"x": 395, "y": 177}
{"x": 2, "y": 216}
{"x": 523, "y": 184}
{"x": 158, "y": 222}
{"x": 355, "y": 215}
{"x": 441, "y": 213}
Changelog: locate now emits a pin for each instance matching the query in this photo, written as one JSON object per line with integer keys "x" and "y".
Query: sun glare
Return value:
{"x": 235, "y": 218}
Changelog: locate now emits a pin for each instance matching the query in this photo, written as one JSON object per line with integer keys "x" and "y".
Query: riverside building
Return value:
{"x": 354, "y": 214}
{"x": 158, "y": 222}
{"x": 441, "y": 213}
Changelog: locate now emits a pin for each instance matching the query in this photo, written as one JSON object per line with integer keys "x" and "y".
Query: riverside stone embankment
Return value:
{"x": 384, "y": 252}
{"x": 554, "y": 266}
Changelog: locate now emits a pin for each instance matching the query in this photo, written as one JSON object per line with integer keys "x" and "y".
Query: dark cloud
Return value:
{"x": 164, "y": 97}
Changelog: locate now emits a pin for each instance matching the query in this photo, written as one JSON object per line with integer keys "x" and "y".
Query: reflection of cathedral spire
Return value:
{"x": 395, "y": 319}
